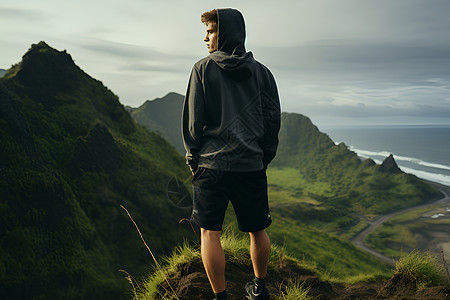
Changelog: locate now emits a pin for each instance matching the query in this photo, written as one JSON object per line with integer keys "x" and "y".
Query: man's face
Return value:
{"x": 211, "y": 37}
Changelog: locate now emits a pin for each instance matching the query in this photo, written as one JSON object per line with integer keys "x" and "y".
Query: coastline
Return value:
{"x": 418, "y": 149}
{"x": 360, "y": 239}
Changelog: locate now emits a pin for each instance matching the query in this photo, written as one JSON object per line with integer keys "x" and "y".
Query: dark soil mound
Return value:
{"x": 190, "y": 282}
{"x": 405, "y": 287}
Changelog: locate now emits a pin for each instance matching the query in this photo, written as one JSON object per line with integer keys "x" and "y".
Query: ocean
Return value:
{"x": 422, "y": 150}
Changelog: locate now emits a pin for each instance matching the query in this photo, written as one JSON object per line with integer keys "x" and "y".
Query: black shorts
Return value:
{"x": 247, "y": 191}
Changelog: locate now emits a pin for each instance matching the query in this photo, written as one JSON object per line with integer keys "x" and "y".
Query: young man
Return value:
{"x": 230, "y": 124}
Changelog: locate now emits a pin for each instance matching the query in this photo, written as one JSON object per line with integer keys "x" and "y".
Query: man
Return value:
{"x": 230, "y": 124}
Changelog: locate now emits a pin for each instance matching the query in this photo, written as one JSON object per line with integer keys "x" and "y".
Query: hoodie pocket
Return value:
{"x": 198, "y": 173}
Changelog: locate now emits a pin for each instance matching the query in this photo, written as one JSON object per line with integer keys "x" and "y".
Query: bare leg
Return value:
{"x": 213, "y": 259}
{"x": 259, "y": 252}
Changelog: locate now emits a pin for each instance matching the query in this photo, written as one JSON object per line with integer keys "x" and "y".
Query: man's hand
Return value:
{"x": 192, "y": 172}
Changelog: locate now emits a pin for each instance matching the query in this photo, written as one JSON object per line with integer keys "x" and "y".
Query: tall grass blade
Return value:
{"x": 445, "y": 266}
{"x": 151, "y": 253}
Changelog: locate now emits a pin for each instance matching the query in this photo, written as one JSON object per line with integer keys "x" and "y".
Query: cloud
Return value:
{"x": 346, "y": 58}
{"x": 359, "y": 59}
{"x": 360, "y": 78}
{"x": 21, "y": 14}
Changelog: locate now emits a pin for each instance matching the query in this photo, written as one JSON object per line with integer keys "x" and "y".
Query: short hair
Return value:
{"x": 210, "y": 17}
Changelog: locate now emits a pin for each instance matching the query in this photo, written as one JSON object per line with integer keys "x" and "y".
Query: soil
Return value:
{"x": 190, "y": 282}
{"x": 432, "y": 237}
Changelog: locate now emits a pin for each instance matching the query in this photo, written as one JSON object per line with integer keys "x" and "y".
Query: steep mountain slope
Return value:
{"x": 2, "y": 72}
{"x": 70, "y": 155}
{"x": 163, "y": 115}
{"x": 346, "y": 180}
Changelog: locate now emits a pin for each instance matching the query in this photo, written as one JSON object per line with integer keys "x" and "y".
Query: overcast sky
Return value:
{"x": 338, "y": 62}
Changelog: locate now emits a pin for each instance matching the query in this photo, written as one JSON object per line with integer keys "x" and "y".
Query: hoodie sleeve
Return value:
{"x": 272, "y": 123}
{"x": 193, "y": 119}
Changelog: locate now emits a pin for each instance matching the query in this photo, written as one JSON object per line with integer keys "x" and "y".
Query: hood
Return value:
{"x": 231, "y": 31}
{"x": 231, "y": 56}
{"x": 237, "y": 67}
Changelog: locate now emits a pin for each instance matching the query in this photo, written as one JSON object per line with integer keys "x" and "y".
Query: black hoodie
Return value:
{"x": 231, "y": 114}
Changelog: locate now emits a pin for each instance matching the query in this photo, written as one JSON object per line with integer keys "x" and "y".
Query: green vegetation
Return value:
{"x": 180, "y": 255}
{"x": 181, "y": 275}
{"x": 337, "y": 178}
{"x": 294, "y": 291}
{"x": 423, "y": 268}
{"x": 383, "y": 240}
{"x": 69, "y": 155}
{"x": 335, "y": 258}
{"x": 317, "y": 190}
{"x": 406, "y": 232}
{"x": 236, "y": 249}
{"x": 331, "y": 255}
{"x": 163, "y": 115}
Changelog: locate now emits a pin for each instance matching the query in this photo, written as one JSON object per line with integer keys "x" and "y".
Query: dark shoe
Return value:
{"x": 252, "y": 292}
{"x": 221, "y": 296}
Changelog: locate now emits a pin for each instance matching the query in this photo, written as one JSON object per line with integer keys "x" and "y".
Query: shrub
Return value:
{"x": 294, "y": 291}
{"x": 424, "y": 268}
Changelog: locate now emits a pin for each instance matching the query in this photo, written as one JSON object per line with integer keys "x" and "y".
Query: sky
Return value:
{"x": 346, "y": 62}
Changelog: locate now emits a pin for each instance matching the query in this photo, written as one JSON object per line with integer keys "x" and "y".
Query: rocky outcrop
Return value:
{"x": 390, "y": 166}
{"x": 97, "y": 151}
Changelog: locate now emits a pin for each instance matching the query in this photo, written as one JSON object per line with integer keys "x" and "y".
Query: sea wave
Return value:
{"x": 436, "y": 177}
{"x": 439, "y": 178}
{"x": 417, "y": 161}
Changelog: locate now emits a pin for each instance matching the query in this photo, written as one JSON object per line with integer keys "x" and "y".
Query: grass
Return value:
{"x": 423, "y": 267}
{"x": 180, "y": 255}
{"x": 392, "y": 234}
{"x": 312, "y": 228}
{"x": 410, "y": 215}
{"x": 359, "y": 278}
{"x": 329, "y": 254}
{"x": 294, "y": 291}
{"x": 292, "y": 180}
{"x": 236, "y": 248}
{"x": 354, "y": 230}
{"x": 303, "y": 227}
{"x": 236, "y": 244}
{"x": 332, "y": 255}
{"x": 402, "y": 232}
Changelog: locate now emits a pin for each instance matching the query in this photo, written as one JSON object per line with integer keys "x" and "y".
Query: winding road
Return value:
{"x": 359, "y": 240}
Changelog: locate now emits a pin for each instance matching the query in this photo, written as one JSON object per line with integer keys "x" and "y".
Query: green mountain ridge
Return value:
{"x": 70, "y": 155}
{"x": 346, "y": 181}
{"x": 160, "y": 115}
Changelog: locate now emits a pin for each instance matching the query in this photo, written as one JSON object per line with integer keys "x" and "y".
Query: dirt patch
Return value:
{"x": 398, "y": 286}
{"x": 405, "y": 287}
{"x": 360, "y": 290}
{"x": 432, "y": 237}
{"x": 190, "y": 282}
